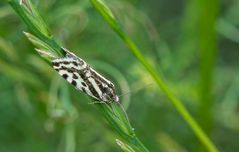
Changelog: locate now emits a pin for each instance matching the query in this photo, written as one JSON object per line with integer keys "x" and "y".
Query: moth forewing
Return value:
{"x": 78, "y": 73}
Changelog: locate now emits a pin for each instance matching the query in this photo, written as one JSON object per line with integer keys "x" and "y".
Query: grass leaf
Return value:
{"x": 114, "y": 24}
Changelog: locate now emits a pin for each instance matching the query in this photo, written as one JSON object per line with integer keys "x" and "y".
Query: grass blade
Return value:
{"x": 114, "y": 24}
{"x": 49, "y": 49}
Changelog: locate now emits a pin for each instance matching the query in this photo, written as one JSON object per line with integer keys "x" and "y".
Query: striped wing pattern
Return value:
{"x": 84, "y": 78}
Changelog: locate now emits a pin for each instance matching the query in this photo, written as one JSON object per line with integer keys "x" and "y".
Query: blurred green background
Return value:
{"x": 194, "y": 45}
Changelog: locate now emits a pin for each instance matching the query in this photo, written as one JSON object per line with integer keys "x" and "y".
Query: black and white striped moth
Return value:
{"x": 83, "y": 77}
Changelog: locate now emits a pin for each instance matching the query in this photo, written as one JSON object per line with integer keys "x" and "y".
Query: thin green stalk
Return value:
{"x": 208, "y": 11}
{"x": 35, "y": 24}
{"x": 44, "y": 42}
{"x": 114, "y": 24}
{"x": 118, "y": 120}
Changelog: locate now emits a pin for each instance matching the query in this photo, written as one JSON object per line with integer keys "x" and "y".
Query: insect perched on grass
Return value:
{"x": 84, "y": 78}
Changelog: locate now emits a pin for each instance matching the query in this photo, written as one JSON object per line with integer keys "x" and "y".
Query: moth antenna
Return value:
{"x": 123, "y": 94}
{"x": 121, "y": 106}
{"x": 134, "y": 91}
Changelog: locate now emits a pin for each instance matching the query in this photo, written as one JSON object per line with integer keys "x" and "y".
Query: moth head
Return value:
{"x": 109, "y": 93}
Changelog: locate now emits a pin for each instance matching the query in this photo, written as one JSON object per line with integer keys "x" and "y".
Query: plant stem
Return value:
{"x": 208, "y": 11}
{"x": 177, "y": 103}
{"x": 43, "y": 40}
{"x": 114, "y": 24}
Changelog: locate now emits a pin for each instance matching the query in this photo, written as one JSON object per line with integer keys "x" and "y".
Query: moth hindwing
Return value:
{"x": 84, "y": 78}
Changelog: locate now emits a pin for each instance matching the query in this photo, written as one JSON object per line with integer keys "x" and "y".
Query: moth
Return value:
{"x": 83, "y": 77}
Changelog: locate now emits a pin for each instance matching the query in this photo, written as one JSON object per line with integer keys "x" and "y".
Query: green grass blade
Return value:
{"x": 114, "y": 24}
{"x": 49, "y": 49}
{"x": 208, "y": 11}
{"x": 35, "y": 23}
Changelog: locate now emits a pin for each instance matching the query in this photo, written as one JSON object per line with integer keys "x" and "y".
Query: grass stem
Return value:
{"x": 114, "y": 24}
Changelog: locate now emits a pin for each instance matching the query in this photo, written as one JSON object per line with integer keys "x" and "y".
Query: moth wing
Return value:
{"x": 70, "y": 71}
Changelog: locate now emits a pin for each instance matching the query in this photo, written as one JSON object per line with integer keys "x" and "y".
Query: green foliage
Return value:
{"x": 105, "y": 12}
{"x": 191, "y": 47}
{"x": 48, "y": 48}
